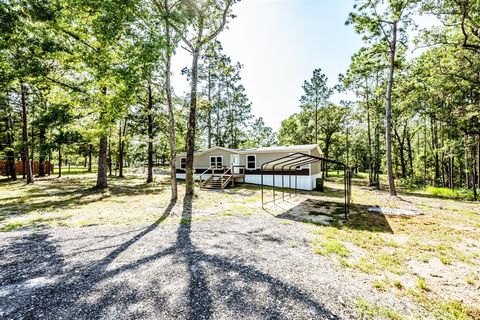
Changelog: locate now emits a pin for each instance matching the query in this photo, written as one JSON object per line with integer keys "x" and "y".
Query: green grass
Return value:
{"x": 449, "y": 193}
{"x": 11, "y": 226}
{"x": 368, "y": 310}
{"x": 331, "y": 246}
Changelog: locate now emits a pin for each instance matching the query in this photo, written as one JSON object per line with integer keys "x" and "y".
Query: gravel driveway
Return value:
{"x": 235, "y": 267}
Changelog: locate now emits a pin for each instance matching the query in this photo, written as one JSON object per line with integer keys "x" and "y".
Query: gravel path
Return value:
{"x": 236, "y": 267}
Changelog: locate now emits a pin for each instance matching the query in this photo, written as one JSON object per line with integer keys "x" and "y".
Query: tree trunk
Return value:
{"x": 60, "y": 161}
{"x": 109, "y": 156}
{"x": 209, "y": 117}
{"x": 410, "y": 154}
{"x": 150, "y": 135}
{"x": 401, "y": 145}
{"x": 171, "y": 114}
{"x": 90, "y": 157}
{"x": 316, "y": 126}
{"x": 327, "y": 148}
{"x": 189, "y": 180}
{"x": 369, "y": 136}
{"x": 102, "y": 163}
{"x": 121, "y": 147}
{"x": 388, "y": 114}
{"x": 425, "y": 151}
{"x": 41, "y": 162}
{"x": 10, "y": 154}
{"x": 452, "y": 182}
{"x": 474, "y": 172}
{"x": 435, "y": 153}
{"x": 102, "y": 156}
{"x": 26, "y": 154}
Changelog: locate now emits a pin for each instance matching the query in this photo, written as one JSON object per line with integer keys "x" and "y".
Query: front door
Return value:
{"x": 235, "y": 161}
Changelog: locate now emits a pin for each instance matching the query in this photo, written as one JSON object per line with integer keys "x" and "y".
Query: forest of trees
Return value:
{"x": 90, "y": 81}
{"x": 416, "y": 116}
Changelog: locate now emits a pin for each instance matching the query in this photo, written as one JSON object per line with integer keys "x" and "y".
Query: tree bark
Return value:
{"x": 150, "y": 135}
{"x": 60, "y": 161}
{"x": 109, "y": 156}
{"x": 369, "y": 136}
{"x": 90, "y": 157}
{"x": 171, "y": 114}
{"x": 102, "y": 156}
{"x": 189, "y": 180}
{"x": 41, "y": 162}
{"x": 121, "y": 147}
{"x": 11, "y": 170}
{"x": 27, "y": 164}
{"x": 209, "y": 117}
{"x": 102, "y": 163}
{"x": 388, "y": 113}
{"x": 410, "y": 154}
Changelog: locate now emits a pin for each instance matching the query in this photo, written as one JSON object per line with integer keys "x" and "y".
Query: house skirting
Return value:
{"x": 303, "y": 182}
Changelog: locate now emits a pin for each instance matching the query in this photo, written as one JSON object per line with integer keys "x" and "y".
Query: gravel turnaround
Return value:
{"x": 235, "y": 267}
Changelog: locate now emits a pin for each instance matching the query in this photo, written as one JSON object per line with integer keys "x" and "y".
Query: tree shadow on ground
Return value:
{"x": 76, "y": 293}
{"x": 65, "y": 194}
{"x": 332, "y": 213}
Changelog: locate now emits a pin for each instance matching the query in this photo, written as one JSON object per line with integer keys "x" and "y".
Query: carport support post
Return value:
{"x": 261, "y": 177}
{"x": 273, "y": 178}
{"x": 296, "y": 182}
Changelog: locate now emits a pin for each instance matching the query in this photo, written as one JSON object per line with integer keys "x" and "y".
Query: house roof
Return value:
{"x": 294, "y": 148}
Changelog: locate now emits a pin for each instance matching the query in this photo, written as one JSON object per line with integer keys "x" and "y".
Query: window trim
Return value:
{"x": 246, "y": 161}
{"x": 216, "y": 164}
{"x": 181, "y": 167}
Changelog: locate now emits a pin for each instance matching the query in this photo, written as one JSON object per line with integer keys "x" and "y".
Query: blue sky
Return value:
{"x": 280, "y": 43}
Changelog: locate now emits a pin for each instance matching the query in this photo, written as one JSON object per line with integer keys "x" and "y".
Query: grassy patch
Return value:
{"x": 11, "y": 226}
{"x": 367, "y": 310}
{"x": 449, "y": 193}
{"x": 331, "y": 246}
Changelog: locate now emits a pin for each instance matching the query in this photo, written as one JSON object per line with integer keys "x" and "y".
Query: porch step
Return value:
{"x": 216, "y": 183}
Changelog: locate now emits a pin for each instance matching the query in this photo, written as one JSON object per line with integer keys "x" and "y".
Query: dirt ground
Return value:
{"x": 68, "y": 250}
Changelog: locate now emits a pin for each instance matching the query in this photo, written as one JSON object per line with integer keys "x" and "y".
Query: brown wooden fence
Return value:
{"x": 19, "y": 167}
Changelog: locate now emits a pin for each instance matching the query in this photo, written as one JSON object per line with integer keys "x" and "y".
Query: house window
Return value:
{"x": 216, "y": 161}
{"x": 183, "y": 163}
{"x": 251, "y": 162}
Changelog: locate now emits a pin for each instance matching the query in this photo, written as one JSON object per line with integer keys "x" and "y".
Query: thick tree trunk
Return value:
{"x": 189, "y": 180}
{"x": 102, "y": 163}
{"x": 171, "y": 114}
{"x": 26, "y": 154}
{"x": 388, "y": 114}
{"x": 150, "y": 136}
{"x": 102, "y": 156}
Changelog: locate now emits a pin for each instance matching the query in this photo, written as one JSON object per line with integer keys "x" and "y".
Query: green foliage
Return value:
{"x": 449, "y": 193}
